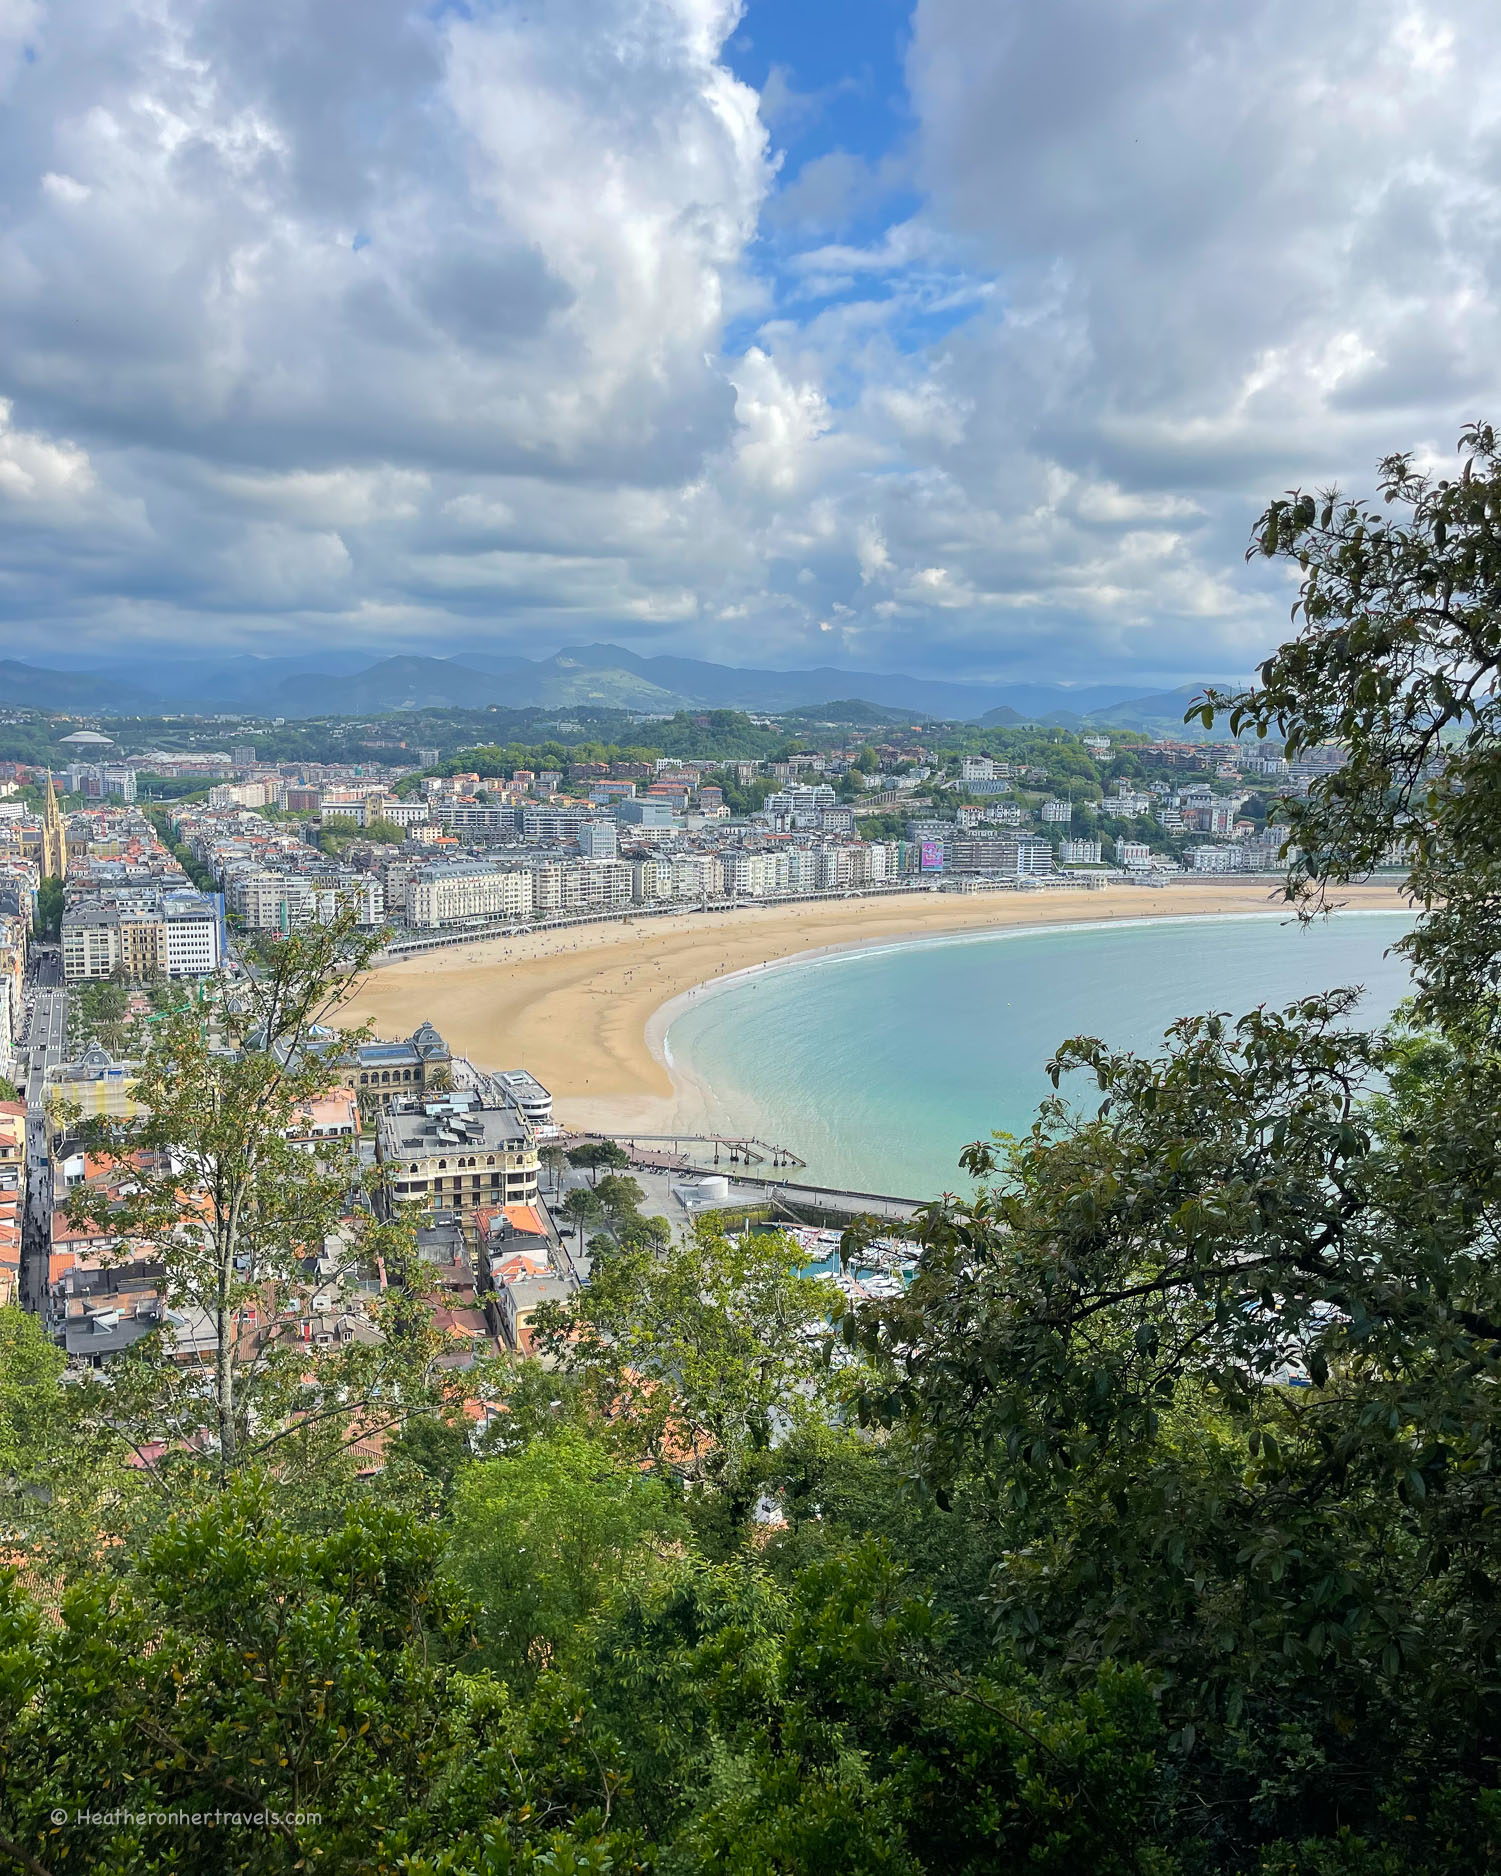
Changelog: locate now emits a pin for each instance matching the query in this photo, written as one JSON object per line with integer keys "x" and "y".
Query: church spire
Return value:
{"x": 54, "y": 839}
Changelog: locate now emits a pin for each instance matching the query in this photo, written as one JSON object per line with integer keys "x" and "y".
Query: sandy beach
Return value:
{"x": 585, "y": 1010}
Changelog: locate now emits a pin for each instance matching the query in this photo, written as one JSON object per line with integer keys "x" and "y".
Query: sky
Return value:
{"x": 964, "y": 337}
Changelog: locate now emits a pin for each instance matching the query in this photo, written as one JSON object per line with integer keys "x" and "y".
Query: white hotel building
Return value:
{"x": 450, "y": 895}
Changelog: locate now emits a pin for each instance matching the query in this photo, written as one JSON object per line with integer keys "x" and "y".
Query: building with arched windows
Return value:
{"x": 382, "y": 1073}
{"x": 452, "y": 1154}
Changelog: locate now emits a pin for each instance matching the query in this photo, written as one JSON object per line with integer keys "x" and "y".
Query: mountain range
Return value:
{"x": 580, "y": 677}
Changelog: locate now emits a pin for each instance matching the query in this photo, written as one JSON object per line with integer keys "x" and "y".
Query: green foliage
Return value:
{"x": 543, "y": 1538}
{"x": 151, "y": 787}
{"x": 49, "y": 909}
{"x": 242, "y": 1669}
{"x": 742, "y": 798}
{"x": 339, "y": 832}
{"x": 33, "y": 1412}
{"x": 1221, "y": 1351}
{"x": 593, "y": 1154}
{"x": 699, "y": 1349}
{"x": 581, "y": 1207}
{"x": 201, "y": 877}
{"x": 1397, "y": 662}
{"x": 234, "y": 1209}
{"x": 553, "y": 1159}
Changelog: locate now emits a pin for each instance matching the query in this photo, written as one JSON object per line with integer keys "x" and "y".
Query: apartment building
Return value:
{"x": 545, "y": 823}
{"x": 799, "y": 807}
{"x": 599, "y": 840}
{"x": 697, "y": 876}
{"x": 272, "y": 901}
{"x": 482, "y": 824}
{"x": 283, "y": 901}
{"x": 1022, "y": 854}
{"x": 14, "y": 932}
{"x": 559, "y": 887}
{"x": 260, "y": 794}
{"x": 193, "y": 934}
{"x": 452, "y": 895}
{"x": 755, "y": 875}
{"x": 646, "y": 812}
{"x": 1212, "y": 817}
{"x": 172, "y": 934}
{"x": 91, "y": 943}
{"x": 107, "y": 939}
{"x": 19, "y": 880}
{"x": 455, "y": 1155}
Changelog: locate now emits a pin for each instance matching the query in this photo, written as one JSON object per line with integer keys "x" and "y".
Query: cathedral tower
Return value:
{"x": 54, "y": 840}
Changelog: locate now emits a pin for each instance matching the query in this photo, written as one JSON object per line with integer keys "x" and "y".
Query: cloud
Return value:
{"x": 405, "y": 324}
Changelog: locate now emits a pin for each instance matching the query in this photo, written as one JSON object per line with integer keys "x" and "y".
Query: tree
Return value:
{"x": 32, "y": 1407}
{"x": 49, "y": 909}
{"x": 594, "y": 1154}
{"x": 386, "y": 833}
{"x": 707, "y": 1347}
{"x": 236, "y": 1211}
{"x": 581, "y": 1207}
{"x": 620, "y": 1199}
{"x": 542, "y": 1538}
{"x": 249, "y": 1697}
{"x": 1225, "y": 1356}
{"x": 1398, "y": 661}
{"x": 554, "y": 1159}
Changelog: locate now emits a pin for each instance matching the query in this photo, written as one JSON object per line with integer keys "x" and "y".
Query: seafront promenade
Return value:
{"x": 413, "y": 944}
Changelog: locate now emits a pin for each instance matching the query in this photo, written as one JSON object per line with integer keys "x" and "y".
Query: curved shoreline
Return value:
{"x": 588, "y": 1010}
{"x": 659, "y": 1024}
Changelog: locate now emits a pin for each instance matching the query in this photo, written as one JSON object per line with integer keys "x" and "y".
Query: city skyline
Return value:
{"x": 940, "y": 338}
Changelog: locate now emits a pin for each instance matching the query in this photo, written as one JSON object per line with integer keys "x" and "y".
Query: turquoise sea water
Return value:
{"x": 878, "y": 1066}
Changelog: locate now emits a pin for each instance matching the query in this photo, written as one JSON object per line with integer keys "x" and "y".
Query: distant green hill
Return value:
{"x": 444, "y": 684}
{"x": 1160, "y": 715}
{"x": 851, "y": 710}
{"x": 26, "y": 685}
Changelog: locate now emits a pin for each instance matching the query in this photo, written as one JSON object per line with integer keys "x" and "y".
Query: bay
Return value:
{"x": 879, "y": 1065}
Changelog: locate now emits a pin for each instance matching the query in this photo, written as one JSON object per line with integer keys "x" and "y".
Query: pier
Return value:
{"x": 741, "y": 1151}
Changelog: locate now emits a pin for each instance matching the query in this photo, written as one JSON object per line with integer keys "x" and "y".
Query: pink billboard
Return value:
{"x": 930, "y": 857}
